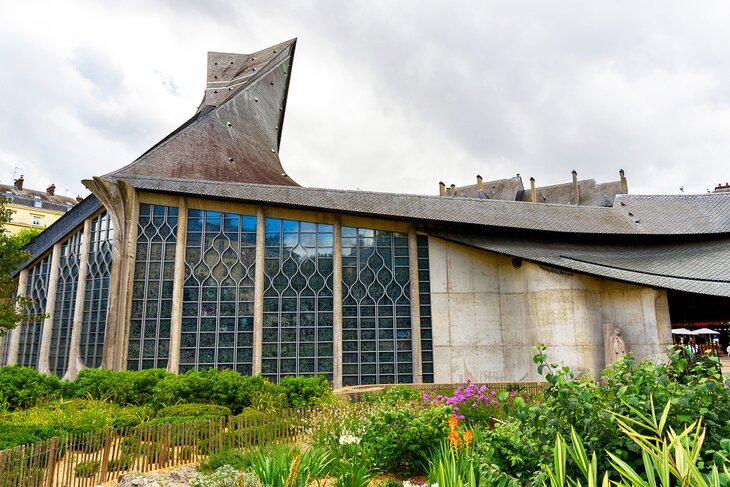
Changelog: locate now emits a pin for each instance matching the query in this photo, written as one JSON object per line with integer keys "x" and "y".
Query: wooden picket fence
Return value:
{"x": 100, "y": 456}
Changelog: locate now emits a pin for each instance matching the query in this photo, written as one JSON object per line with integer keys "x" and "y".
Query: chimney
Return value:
{"x": 480, "y": 183}
{"x": 453, "y": 189}
{"x": 442, "y": 189}
{"x": 624, "y": 183}
{"x": 51, "y": 190}
{"x": 19, "y": 183}
{"x": 533, "y": 193}
{"x": 576, "y": 189}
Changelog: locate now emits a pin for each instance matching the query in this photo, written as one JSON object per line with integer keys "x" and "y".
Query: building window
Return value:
{"x": 376, "y": 307}
{"x": 96, "y": 299}
{"x": 63, "y": 311}
{"x": 154, "y": 270}
{"x": 36, "y": 290}
{"x": 36, "y": 220}
{"x": 217, "y": 322}
{"x": 424, "y": 296}
{"x": 37, "y": 202}
{"x": 297, "y": 319}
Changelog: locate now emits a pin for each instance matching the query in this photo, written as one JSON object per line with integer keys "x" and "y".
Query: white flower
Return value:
{"x": 349, "y": 439}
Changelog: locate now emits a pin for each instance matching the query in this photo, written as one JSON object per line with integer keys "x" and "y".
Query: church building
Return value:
{"x": 204, "y": 252}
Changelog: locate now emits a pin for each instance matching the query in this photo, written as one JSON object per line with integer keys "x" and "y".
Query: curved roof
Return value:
{"x": 632, "y": 215}
{"x": 696, "y": 266}
{"x": 235, "y": 134}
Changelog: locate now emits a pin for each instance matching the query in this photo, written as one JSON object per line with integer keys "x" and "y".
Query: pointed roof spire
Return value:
{"x": 236, "y": 132}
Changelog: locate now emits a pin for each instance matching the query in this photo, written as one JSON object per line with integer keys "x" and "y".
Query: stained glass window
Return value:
{"x": 297, "y": 317}
{"x": 65, "y": 301}
{"x": 217, "y": 320}
{"x": 376, "y": 307}
{"x": 424, "y": 296}
{"x": 36, "y": 290}
{"x": 96, "y": 299}
{"x": 154, "y": 270}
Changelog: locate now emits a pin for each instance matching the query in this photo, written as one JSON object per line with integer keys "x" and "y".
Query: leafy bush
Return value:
{"x": 87, "y": 469}
{"x": 225, "y": 388}
{"x": 305, "y": 392}
{"x": 399, "y": 439}
{"x": 393, "y": 395}
{"x": 235, "y": 458}
{"x": 668, "y": 458}
{"x": 22, "y": 387}
{"x": 695, "y": 390}
{"x": 120, "y": 387}
{"x": 14, "y": 435}
{"x": 77, "y": 416}
{"x": 194, "y": 411}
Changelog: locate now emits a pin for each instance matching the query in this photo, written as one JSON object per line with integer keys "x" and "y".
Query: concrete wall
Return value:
{"x": 487, "y": 313}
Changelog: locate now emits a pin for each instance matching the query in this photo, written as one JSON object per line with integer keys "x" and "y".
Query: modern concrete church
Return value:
{"x": 204, "y": 252}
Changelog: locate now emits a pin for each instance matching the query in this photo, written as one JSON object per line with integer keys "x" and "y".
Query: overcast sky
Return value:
{"x": 385, "y": 96}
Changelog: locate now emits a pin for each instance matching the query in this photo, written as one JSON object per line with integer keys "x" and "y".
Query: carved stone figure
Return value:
{"x": 618, "y": 346}
{"x": 614, "y": 343}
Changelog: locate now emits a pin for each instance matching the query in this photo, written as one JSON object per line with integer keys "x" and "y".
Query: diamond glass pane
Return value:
{"x": 154, "y": 269}
{"x": 376, "y": 307}
{"x": 220, "y": 257}
{"x": 36, "y": 290}
{"x": 63, "y": 310}
{"x": 96, "y": 298}
{"x": 297, "y": 319}
{"x": 424, "y": 296}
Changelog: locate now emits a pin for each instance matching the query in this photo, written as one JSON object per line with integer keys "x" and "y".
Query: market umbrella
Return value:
{"x": 682, "y": 331}
{"x": 706, "y": 331}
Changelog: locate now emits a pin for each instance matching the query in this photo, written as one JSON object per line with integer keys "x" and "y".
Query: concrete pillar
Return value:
{"x": 45, "y": 346}
{"x": 173, "y": 362}
{"x": 337, "y": 305}
{"x": 415, "y": 306}
{"x": 258, "y": 291}
{"x": 75, "y": 364}
{"x": 120, "y": 200}
{"x": 14, "y": 336}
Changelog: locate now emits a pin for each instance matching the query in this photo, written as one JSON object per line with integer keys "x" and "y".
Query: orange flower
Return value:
{"x": 468, "y": 436}
{"x": 454, "y": 439}
{"x": 453, "y": 423}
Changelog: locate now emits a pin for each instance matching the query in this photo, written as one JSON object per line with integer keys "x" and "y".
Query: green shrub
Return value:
{"x": 87, "y": 469}
{"x": 194, "y": 411}
{"x": 14, "y": 435}
{"x": 235, "y": 458}
{"x": 695, "y": 390}
{"x": 393, "y": 395}
{"x": 22, "y": 387}
{"x": 225, "y": 388}
{"x": 399, "y": 439}
{"x": 305, "y": 392}
{"x": 120, "y": 387}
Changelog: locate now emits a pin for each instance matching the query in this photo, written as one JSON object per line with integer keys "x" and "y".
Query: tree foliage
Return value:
{"x": 14, "y": 310}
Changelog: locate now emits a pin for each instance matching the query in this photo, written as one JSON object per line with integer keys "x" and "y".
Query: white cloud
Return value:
{"x": 385, "y": 96}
